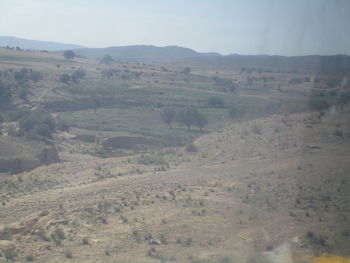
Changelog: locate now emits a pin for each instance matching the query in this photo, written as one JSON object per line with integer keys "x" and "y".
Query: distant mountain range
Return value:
{"x": 34, "y": 44}
{"x": 185, "y": 56}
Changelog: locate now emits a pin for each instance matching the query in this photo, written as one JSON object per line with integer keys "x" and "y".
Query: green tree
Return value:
{"x": 106, "y": 59}
{"x": 168, "y": 116}
{"x": 69, "y": 54}
{"x": 96, "y": 102}
{"x": 191, "y": 116}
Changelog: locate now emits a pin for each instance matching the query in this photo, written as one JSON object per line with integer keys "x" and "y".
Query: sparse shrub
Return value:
{"x": 136, "y": 235}
{"x": 5, "y": 234}
{"x": 189, "y": 241}
{"x": 10, "y": 253}
{"x": 57, "y": 236}
{"x": 30, "y": 258}
{"x": 41, "y": 233}
{"x": 338, "y": 133}
{"x": 108, "y": 73}
{"x": 163, "y": 240}
{"x": 59, "y": 233}
{"x": 191, "y": 148}
{"x": 85, "y": 241}
{"x": 68, "y": 254}
{"x": 152, "y": 252}
{"x": 103, "y": 206}
{"x": 78, "y": 74}
{"x": 35, "y": 76}
{"x": 256, "y": 129}
{"x": 124, "y": 219}
{"x": 64, "y": 78}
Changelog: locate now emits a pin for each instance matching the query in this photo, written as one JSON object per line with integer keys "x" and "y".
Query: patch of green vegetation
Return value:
{"x": 89, "y": 87}
{"x": 136, "y": 120}
{"x": 197, "y": 86}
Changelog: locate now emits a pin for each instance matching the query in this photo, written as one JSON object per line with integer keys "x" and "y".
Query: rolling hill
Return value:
{"x": 34, "y": 44}
{"x": 186, "y": 56}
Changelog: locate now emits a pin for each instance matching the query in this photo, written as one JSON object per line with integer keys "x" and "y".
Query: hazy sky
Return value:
{"x": 283, "y": 27}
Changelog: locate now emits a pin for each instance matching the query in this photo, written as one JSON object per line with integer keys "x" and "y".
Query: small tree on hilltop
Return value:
{"x": 106, "y": 59}
{"x": 69, "y": 54}
{"x": 168, "y": 116}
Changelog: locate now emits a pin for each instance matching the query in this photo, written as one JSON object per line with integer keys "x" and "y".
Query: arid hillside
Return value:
{"x": 259, "y": 173}
{"x": 236, "y": 194}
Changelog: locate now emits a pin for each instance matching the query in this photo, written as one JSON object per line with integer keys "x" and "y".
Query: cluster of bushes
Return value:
{"x": 26, "y": 74}
{"x": 5, "y": 92}
{"x": 227, "y": 84}
{"x": 108, "y": 73}
{"x": 74, "y": 77}
{"x": 187, "y": 117}
{"x": 17, "y": 83}
{"x": 35, "y": 123}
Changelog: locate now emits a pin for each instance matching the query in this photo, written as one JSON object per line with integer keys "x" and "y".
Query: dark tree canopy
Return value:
{"x": 168, "y": 116}
{"x": 106, "y": 59}
{"x": 191, "y": 116}
{"x": 69, "y": 54}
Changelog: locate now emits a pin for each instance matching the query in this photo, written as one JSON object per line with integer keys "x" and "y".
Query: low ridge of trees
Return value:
{"x": 187, "y": 117}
